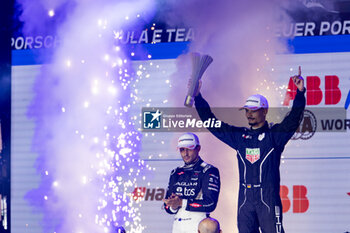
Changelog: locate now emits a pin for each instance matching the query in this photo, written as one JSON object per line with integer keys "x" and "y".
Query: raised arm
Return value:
{"x": 285, "y": 130}
{"x": 225, "y": 132}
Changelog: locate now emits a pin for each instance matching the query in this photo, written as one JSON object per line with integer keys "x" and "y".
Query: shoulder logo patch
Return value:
{"x": 261, "y": 136}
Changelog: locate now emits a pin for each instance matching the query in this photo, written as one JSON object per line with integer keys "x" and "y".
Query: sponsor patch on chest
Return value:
{"x": 252, "y": 154}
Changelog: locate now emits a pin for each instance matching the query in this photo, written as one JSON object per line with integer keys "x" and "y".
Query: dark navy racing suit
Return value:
{"x": 259, "y": 153}
{"x": 198, "y": 185}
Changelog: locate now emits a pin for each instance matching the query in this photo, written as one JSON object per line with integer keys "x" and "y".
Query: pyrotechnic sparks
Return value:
{"x": 91, "y": 160}
{"x": 51, "y": 13}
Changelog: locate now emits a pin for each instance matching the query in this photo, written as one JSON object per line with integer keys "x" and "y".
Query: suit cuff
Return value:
{"x": 173, "y": 210}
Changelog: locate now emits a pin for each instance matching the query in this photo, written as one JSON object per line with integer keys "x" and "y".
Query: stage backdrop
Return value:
{"x": 315, "y": 185}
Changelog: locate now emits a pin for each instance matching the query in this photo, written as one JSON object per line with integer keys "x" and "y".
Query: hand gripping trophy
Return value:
{"x": 199, "y": 64}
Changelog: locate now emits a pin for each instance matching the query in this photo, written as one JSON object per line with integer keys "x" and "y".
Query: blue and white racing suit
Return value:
{"x": 198, "y": 185}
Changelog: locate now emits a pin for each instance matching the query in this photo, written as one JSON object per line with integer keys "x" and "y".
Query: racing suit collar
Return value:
{"x": 191, "y": 165}
{"x": 261, "y": 129}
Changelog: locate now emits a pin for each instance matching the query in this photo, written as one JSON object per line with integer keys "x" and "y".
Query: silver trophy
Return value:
{"x": 199, "y": 64}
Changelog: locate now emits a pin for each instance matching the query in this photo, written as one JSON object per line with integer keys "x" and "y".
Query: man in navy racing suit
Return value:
{"x": 259, "y": 150}
{"x": 193, "y": 188}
